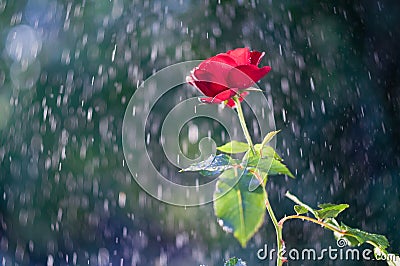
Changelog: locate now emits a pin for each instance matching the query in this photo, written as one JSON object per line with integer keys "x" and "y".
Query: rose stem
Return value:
{"x": 278, "y": 228}
{"x": 243, "y": 124}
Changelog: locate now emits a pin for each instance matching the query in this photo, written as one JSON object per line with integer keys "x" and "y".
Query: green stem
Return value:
{"x": 278, "y": 227}
{"x": 243, "y": 124}
{"x": 278, "y": 231}
{"x": 319, "y": 222}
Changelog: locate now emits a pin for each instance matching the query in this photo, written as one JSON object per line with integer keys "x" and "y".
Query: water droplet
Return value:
{"x": 322, "y": 106}
{"x": 285, "y": 86}
{"x": 103, "y": 257}
{"x": 23, "y": 44}
{"x": 193, "y": 133}
{"x": 284, "y": 115}
{"x": 121, "y": 199}
{"x": 50, "y": 260}
{"x": 312, "y": 84}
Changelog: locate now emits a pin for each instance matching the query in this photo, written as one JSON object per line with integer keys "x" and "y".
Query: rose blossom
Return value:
{"x": 225, "y": 75}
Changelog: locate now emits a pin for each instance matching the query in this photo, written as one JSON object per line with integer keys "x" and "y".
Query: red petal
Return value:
{"x": 243, "y": 94}
{"x": 241, "y": 55}
{"x": 213, "y": 71}
{"x": 211, "y": 83}
{"x": 255, "y": 57}
{"x": 231, "y": 103}
{"x": 201, "y": 75}
{"x": 245, "y": 75}
{"x": 210, "y": 89}
{"x": 221, "y": 58}
{"x": 225, "y": 95}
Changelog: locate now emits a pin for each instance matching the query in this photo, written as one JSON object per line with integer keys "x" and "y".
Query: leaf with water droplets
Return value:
{"x": 213, "y": 165}
{"x": 357, "y": 237}
{"x": 238, "y": 208}
{"x": 329, "y": 210}
{"x": 234, "y": 147}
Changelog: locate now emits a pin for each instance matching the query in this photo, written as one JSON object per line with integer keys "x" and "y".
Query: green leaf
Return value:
{"x": 267, "y": 151}
{"x": 239, "y": 210}
{"x": 234, "y": 262}
{"x": 332, "y": 221}
{"x": 300, "y": 209}
{"x": 259, "y": 178}
{"x": 259, "y": 168}
{"x": 297, "y": 201}
{"x": 258, "y": 175}
{"x": 269, "y": 165}
{"x": 234, "y": 147}
{"x": 268, "y": 137}
{"x": 357, "y": 237}
{"x": 328, "y": 210}
{"x": 278, "y": 168}
{"x": 213, "y": 165}
{"x": 262, "y": 164}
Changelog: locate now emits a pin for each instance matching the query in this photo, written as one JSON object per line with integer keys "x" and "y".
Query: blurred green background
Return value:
{"x": 69, "y": 68}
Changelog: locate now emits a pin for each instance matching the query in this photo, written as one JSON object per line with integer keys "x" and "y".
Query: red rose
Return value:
{"x": 225, "y": 75}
